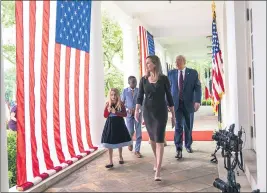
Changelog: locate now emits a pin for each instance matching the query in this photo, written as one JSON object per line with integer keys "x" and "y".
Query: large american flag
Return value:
{"x": 217, "y": 66}
{"x": 147, "y": 47}
{"x": 52, "y": 55}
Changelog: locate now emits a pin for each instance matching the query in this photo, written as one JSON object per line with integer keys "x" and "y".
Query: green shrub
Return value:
{"x": 12, "y": 155}
{"x": 206, "y": 102}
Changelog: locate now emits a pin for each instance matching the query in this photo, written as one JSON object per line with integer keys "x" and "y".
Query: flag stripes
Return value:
{"x": 52, "y": 92}
{"x": 217, "y": 66}
{"x": 147, "y": 47}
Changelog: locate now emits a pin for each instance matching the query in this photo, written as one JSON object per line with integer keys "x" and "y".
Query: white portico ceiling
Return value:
{"x": 180, "y": 26}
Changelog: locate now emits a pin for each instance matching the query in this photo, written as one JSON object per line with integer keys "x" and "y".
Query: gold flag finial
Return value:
{"x": 213, "y": 6}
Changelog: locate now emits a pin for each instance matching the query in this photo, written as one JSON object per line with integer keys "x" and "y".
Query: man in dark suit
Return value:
{"x": 186, "y": 93}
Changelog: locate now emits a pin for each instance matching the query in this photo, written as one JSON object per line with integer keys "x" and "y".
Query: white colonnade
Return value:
{"x": 96, "y": 75}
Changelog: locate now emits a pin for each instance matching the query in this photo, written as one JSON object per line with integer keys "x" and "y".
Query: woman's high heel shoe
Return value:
{"x": 157, "y": 178}
{"x": 109, "y": 166}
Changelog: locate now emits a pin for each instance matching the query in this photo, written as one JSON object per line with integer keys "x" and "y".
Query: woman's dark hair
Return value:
{"x": 156, "y": 61}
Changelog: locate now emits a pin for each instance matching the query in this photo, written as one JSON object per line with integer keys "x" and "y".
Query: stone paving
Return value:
{"x": 194, "y": 173}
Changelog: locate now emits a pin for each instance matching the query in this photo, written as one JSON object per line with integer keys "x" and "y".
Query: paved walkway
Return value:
{"x": 194, "y": 173}
{"x": 204, "y": 120}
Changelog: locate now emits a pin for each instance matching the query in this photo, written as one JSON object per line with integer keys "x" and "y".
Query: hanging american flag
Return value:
{"x": 147, "y": 47}
{"x": 217, "y": 65}
{"x": 52, "y": 55}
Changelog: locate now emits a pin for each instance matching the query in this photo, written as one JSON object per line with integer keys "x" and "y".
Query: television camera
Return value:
{"x": 231, "y": 146}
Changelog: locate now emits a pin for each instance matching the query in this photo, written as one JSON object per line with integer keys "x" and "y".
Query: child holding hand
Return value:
{"x": 115, "y": 133}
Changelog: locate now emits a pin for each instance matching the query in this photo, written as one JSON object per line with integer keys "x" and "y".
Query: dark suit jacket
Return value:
{"x": 191, "y": 91}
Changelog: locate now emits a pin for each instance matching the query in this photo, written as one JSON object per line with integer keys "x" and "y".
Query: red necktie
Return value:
{"x": 181, "y": 85}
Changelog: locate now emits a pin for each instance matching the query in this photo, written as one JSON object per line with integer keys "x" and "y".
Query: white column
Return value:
{"x": 259, "y": 44}
{"x": 163, "y": 62}
{"x": 96, "y": 75}
{"x": 231, "y": 55}
{"x": 4, "y": 160}
{"x": 130, "y": 50}
{"x": 237, "y": 65}
{"x": 160, "y": 52}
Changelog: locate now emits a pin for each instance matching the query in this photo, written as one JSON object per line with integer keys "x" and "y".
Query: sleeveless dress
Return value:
{"x": 115, "y": 133}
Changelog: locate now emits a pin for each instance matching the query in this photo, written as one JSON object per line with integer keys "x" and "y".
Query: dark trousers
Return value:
{"x": 184, "y": 121}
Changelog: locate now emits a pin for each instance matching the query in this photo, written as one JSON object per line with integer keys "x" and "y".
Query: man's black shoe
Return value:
{"x": 179, "y": 154}
{"x": 189, "y": 150}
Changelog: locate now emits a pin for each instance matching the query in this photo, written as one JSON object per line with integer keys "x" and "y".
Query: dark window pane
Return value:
{"x": 252, "y": 51}
{"x": 251, "y": 21}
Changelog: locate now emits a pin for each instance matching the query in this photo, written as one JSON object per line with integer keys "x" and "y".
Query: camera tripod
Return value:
{"x": 231, "y": 185}
{"x": 214, "y": 159}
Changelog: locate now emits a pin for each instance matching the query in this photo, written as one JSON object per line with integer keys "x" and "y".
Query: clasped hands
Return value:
{"x": 111, "y": 110}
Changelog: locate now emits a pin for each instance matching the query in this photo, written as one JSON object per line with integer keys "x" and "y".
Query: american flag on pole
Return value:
{"x": 147, "y": 47}
{"x": 52, "y": 55}
{"x": 217, "y": 66}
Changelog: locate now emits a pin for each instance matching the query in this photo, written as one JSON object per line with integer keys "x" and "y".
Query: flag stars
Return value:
{"x": 72, "y": 18}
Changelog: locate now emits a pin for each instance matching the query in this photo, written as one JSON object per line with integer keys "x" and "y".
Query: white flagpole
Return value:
{"x": 4, "y": 160}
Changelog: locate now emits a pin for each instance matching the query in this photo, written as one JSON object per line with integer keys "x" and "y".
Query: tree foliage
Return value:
{"x": 112, "y": 45}
{"x": 8, "y": 13}
{"x": 9, "y": 50}
{"x": 200, "y": 67}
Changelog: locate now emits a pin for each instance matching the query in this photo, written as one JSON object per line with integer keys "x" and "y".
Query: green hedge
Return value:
{"x": 12, "y": 155}
{"x": 206, "y": 102}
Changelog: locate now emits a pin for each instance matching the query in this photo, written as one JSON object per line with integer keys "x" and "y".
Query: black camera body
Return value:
{"x": 231, "y": 146}
{"x": 227, "y": 140}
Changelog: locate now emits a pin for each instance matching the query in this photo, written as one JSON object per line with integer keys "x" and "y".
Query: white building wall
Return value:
{"x": 259, "y": 43}
{"x": 236, "y": 60}
{"x": 160, "y": 52}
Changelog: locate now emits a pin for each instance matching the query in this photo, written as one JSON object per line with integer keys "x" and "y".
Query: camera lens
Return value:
{"x": 221, "y": 185}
